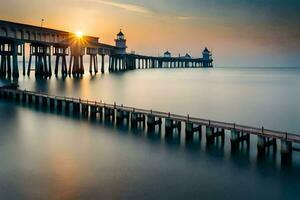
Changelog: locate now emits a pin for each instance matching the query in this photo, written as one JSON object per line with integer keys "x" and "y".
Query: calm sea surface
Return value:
{"x": 53, "y": 156}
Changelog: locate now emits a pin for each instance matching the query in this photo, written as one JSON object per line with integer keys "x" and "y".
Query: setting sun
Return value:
{"x": 79, "y": 34}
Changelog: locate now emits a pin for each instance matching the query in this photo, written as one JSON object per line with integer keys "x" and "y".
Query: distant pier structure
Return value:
{"x": 69, "y": 49}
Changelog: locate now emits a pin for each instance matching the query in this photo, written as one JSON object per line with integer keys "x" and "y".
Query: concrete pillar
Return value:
{"x": 84, "y": 110}
{"x": 120, "y": 64}
{"x": 112, "y": 63}
{"x": 8, "y": 66}
{"x": 15, "y": 60}
{"x": 24, "y": 61}
{"x": 152, "y": 122}
{"x": 134, "y": 117}
{"x": 100, "y": 111}
{"x": 109, "y": 63}
{"x": 116, "y": 64}
{"x": 120, "y": 116}
{"x": 102, "y": 63}
{"x": 109, "y": 113}
{"x": 286, "y": 148}
{"x": 234, "y": 140}
{"x": 189, "y": 130}
{"x": 96, "y": 64}
{"x": 209, "y": 134}
{"x": 76, "y": 108}
{"x": 261, "y": 144}
{"x": 93, "y": 113}
{"x": 168, "y": 125}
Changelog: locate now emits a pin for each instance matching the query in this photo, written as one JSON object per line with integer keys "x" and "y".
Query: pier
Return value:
{"x": 151, "y": 120}
{"x": 45, "y": 43}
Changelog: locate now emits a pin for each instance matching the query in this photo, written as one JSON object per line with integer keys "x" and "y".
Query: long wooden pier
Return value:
{"x": 63, "y": 45}
{"x": 214, "y": 129}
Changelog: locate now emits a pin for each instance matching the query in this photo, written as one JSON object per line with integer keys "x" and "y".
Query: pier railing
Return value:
{"x": 290, "y": 137}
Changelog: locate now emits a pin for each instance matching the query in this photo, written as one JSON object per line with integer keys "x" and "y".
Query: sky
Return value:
{"x": 251, "y": 33}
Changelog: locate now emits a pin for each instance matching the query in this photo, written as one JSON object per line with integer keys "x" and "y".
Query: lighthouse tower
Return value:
{"x": 121, "y": 43}
{"x": 207, "y": 58}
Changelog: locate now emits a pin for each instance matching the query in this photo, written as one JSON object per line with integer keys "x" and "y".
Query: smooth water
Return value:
{"x": 52, "y": 156}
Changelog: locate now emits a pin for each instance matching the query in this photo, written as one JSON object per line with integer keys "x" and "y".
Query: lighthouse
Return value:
{"x": 207, "y": 58}
{"x": 121, "y": 43}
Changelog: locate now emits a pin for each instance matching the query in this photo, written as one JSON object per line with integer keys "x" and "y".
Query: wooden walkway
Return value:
{"x": 289, "y": 137}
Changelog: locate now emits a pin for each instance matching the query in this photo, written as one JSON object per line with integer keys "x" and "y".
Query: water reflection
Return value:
{"x": 60, "y": 151}
{"x": 175, "y": 140}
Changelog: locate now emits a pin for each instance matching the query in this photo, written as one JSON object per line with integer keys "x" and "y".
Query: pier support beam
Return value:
{"x": 190, "y": 129}
{"x": 15, "y": 60}
{"x": 41, "y": 52}
{"x": 84, "y": 110}
{"x": 93, "y": 111}
{"x": 264, "y": 143}
{"x": 212, "y": 133}
{"x": 153, "y": 121}
{"x": 171, "y": 125}
{"x": 136, "y": 119}
{"x": 76, "y": 61}
{"x": 109, "y": 113}
{"x": 286, "y": 151}
{"x": 76, "y": 108}
{"x": 60, "y": 52}
{"x": 102, "y": 63}
{"x": 238, "y": 137}
{"x": 9, "y": 52}
{"x": 121, "y": 115}
{"x": 93, "y": 52}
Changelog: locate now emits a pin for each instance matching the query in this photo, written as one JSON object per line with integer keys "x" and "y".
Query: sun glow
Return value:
{"x": 79, "y": 34}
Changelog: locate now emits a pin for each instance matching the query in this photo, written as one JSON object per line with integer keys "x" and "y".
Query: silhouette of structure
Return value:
{"x": 173, "y": 123}
{"x": 46, "y": 42}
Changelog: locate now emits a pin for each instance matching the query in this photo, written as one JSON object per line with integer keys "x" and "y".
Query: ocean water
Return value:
{"x": 47, "y": 155}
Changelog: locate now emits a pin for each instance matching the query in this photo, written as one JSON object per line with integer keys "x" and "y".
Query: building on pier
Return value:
{"x": 167, "y": 54}
{"x": 207, "y": 58}
{"x": 121, "y": 43}
{"x": 187, "y": 56}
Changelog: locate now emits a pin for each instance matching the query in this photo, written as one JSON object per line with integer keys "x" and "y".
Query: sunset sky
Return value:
{"x": 240, "y": 32}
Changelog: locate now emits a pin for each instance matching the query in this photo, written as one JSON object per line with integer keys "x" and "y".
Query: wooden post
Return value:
{"x": 24, "y": 70}
{"x": 102, "y": 63}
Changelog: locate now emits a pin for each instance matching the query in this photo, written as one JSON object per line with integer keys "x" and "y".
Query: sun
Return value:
{"x": 79, "y": 34}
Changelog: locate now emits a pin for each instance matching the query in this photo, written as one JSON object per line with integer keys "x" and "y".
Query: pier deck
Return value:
{"x": 93, "y": 107}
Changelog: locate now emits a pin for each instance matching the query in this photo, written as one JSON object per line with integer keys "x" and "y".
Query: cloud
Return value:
{"x": 185, "y": 17}
{"x": 126, "y": 6}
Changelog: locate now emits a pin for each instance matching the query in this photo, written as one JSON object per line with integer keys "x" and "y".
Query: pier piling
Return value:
{"x": 137, "y": 118}
{"x": 153, "y": 121}
{"x": 266, "y": 139}
{"x": 191, "y": 129}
